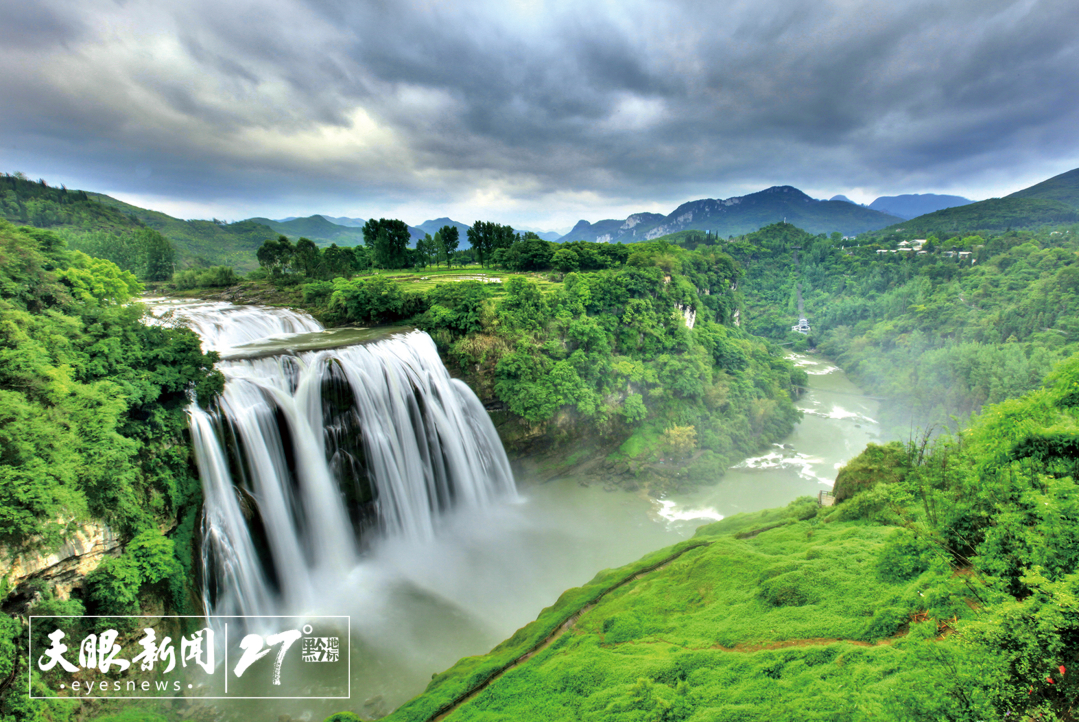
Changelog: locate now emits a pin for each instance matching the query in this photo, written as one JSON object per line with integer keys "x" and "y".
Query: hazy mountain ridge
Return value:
{"x": 317, "y": 228}
{"x": 736, "y": 216}
{"x": 434, "y": 225}
{"x": 340, "y": 220}
{"x": 912, "y": 205}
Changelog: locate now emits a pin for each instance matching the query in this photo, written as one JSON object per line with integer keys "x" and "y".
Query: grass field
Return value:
{"x": 784, "y": 614}
{"x": 428, "y": 278}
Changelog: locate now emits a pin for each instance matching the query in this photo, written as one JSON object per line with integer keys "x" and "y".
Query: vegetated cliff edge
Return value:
{"x": 942, "y": 586}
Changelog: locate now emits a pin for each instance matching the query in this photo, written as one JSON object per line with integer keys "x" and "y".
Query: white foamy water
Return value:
{"x": 812, "y": 365}
{"x": 839, "y": 413}
{"x": 802, "y": 464}
{"x": 668, "y": 509}
{"x": 223, "y": 326}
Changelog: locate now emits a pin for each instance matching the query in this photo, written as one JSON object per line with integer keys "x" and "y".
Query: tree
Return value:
{"x": 337, "y": 262}
{"x": 531, "y": 253}
{"x": 387, "y": 241}
{"x": 438, "y": 248}
{"x": 480, "y": 237}
{"x": 566, "y": 260}
{"x": 276, "y": 256}
{"x": 450, "y": 238}
{"x": 307, "y": 257}
{"x": 160, "y": 257}
{"x": 486, "y": 237}
{"x": 425, "y": 249}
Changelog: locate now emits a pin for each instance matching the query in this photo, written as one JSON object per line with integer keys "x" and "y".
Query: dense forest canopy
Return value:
{"x": 92, "y": 430}
{"x": 967, "y": 320}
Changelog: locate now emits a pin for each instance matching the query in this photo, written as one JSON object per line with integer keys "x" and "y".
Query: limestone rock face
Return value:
{"x": 65, "y": 568}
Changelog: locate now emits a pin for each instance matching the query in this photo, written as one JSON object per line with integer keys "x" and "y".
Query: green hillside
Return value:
{"x": 30, "y": 203}
{"x": 202, "y": 243}
{"x": 1063, "y": 188}
{"x": 995, "y": 214}
{"x": 942, "y": 585}
{"x": 1051, "y": 202}
{"x": 316, "y": 228}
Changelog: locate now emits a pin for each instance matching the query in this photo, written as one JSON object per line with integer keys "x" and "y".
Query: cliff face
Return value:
{"x": 62, "y": 570}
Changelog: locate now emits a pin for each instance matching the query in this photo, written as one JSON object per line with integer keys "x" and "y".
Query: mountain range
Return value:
{"x": 200, "y": 243}
{"x": 736, "y": 216}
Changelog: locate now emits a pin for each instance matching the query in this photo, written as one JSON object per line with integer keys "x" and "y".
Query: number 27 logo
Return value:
{"x": 253, "y": 644}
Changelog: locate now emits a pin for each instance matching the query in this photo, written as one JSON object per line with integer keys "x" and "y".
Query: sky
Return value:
{"x": 532, "y": 113}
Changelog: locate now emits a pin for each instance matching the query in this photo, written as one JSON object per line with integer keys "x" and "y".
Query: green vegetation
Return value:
{"x": 199, "y": 243}
{"x": 944, "y": 590}
{"x": 92, "y": 427}
{"x": 1051, "y": 202}
{"x": 93, "y": 400}
{"x": 973, "y": 320}
{"x": 1063, "y": 188}
{"x": 26, "y": 202}
{"x": 997, "y": 214}
{"x": 606, "y": 358}
{"x": 128, "y": 235}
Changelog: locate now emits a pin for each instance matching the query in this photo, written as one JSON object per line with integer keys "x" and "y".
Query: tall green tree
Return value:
{"x": 425, "y": 249}
{"x": 450, "y": 237}
{"x": 438, "y": 248}
{"x": 307, "y": 257}
{"x": 387, "y": 241}
{"x": 486, "y": 237}
{"x": 160, "y": 256}
{"x": 276, "y": 256}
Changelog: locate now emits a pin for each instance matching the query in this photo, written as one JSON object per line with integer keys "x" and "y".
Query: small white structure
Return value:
{"x": 802, "y": 326}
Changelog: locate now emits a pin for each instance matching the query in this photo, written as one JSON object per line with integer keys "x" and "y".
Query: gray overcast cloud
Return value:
{"x": 532, "y": 112}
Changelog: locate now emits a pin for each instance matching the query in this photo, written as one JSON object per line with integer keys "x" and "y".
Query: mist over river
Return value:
{"x": 419, "y": 603}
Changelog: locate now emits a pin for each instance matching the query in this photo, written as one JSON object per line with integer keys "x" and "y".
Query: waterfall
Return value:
{"x": 303, "y": 456}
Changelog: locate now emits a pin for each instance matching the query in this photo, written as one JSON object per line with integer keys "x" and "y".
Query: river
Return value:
{"x": 418, "y": 605}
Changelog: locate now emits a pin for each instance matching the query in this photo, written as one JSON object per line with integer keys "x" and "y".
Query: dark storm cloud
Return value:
{"x": 635, "y": 102}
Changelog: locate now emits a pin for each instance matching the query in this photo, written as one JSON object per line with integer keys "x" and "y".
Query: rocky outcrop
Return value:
{"x": 64, "y": 569}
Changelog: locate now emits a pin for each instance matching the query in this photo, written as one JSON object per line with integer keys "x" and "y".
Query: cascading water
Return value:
{"x": 303, "y": 453}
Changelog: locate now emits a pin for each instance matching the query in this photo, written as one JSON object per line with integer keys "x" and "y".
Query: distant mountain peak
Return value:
{"x": 912, "y": 205}
{"x": 844, "y": 199}
{"x": 735, "y": 216}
